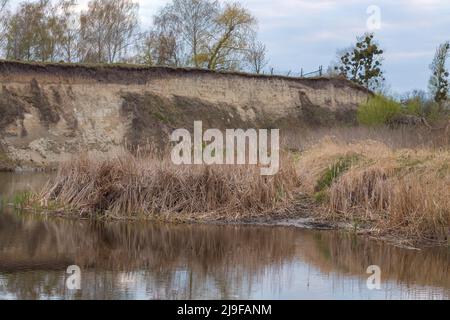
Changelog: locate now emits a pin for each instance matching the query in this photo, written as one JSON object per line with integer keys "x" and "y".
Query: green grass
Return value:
{"x": 413, "y": 107}
{"x": 161, "y": 117}
{"x": 21, "y": 199}
{"x": 321, "y": 196}
{"x": 333, "y": 172}
{"x": 443, "y": 171}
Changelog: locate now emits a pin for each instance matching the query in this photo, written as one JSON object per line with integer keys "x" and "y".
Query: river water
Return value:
{"x": 135, "y": 260}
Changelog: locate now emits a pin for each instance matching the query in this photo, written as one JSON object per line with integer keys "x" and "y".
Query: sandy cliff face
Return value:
{"x": 50, "y": 112}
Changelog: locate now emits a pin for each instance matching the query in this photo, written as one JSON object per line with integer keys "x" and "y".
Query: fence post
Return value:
{"x": 320, "y": 71}
{"x": 301, "y": 73}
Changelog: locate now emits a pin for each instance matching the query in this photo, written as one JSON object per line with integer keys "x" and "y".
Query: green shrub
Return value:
{"x": 21, "y": 199}
{"x": 414, "y": 107}
{"x": 378, "y": 111}
{"x": 434, "y": 113}
{"x": 321, "y": 196}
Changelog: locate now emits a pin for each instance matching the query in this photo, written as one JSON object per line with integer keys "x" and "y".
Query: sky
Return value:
{"x": 307, "y": 33}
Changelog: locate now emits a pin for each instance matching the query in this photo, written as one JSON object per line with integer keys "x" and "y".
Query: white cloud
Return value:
{"x": 408, "y": 55}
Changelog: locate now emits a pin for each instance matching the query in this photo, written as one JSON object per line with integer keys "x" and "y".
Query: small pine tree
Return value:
{"x": 362, "y": 63}
{"x": 439, "y": 84}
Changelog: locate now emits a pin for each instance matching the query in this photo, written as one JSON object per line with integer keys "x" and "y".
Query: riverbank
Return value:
{"x": 364, "y": 186}
{"x": 112, "y": 255}
{"x": 386, "y": 191}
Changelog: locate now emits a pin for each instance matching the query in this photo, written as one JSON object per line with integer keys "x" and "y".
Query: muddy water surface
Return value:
{"x": 120, "y": 260}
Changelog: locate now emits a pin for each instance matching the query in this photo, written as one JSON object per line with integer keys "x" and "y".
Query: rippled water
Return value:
{"x": 121, "y": 260}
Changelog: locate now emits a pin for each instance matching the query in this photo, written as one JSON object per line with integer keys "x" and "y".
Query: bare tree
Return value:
{"x": 43, "y": 31}
{"x": 69, "y": 27}
{"x": 31, "y": 32}
{"x": 3, "y": 7}
{"x": 3, "y": 4}
{"x": 190, "y": 23}
{"x": 108, "y": 29}
{"x": 202, "y": 33}
{"x": 164, "y": 44}
{"x": 199, "y": 33}
{"x": 3, "y": 22}
{"x": 158, "y": 48}
{"x": 256, "y": 57}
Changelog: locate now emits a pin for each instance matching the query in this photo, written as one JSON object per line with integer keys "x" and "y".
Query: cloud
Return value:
{"x": 409, "y": 55}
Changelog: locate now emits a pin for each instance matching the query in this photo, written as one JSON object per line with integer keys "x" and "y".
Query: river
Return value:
{"x": 148, "y": 260}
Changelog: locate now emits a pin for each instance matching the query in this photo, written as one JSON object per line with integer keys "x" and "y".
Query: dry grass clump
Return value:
{"x": 314, "y": 161}
{"x": 129, "y": 186}
{"x": 404, "y": 192}
{"x": 415, "y": 204}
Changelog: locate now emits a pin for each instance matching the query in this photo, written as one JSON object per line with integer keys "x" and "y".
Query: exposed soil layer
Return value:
{"x": 138, "y": 74}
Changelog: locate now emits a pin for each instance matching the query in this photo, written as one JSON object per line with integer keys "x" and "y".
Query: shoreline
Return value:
{"x": 399, "y": 195}
{"x": 303, "y": 219}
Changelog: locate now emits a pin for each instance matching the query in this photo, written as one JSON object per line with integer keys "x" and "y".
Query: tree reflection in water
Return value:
{"x": 153, "y": 260}
{"x": 122, "y": 260}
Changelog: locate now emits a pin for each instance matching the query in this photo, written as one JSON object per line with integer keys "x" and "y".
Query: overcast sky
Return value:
{"x": 307, "y": 33}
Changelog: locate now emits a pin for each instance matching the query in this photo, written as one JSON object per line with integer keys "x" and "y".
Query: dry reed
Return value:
{"x": 385, "y": 188}
{"x": 403, "y": 192}
{"x": 129, "y": 186}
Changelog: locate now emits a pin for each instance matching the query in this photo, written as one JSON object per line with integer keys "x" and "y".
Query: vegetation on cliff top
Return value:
{"x": 202, "y": 34}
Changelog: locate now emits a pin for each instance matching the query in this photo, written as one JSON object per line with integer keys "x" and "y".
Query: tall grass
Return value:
{"x": 130, "y": 186}
{"x": 403, "y": 192}
{"x": 382, "y": 187}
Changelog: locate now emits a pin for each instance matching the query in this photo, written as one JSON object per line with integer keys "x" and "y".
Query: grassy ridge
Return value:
{"x": 403, "y": 192}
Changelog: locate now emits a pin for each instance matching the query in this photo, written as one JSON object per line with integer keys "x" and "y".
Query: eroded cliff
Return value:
{"x": 48, "y": 112}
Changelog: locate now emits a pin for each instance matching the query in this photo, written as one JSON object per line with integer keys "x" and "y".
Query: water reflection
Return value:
{"x": 165, "y": 261}
{"x": 11, "y": 183}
